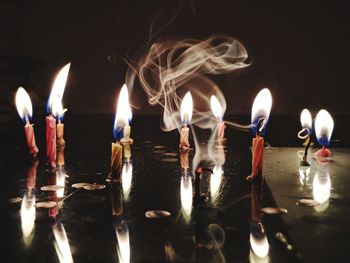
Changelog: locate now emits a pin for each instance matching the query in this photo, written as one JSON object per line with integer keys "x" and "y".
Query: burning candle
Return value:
{"x": 304, "y": 134}
{"x": 58, "y": 113}
{"x": 186, "y": 111}
{"x": 54, "y": 107}
{"x": 122, "y": 117}
{"x": 324, "y": 125}
{"x": 219, "y": 114}
{"x": 260, "y": 115}
{"x": 25, "y": 111}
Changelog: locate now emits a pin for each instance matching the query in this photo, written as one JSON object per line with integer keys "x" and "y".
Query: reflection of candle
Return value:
{"x": 126, "y": 179}
{"x": 28, "y": 211}
{"x": 54, "y": 107}
{"x": 61, "y": 244}
{"x": 324, "y": 125}
{"x": 123, "y": 248}
{"x": 186, "y": 195}
{"x": 260, "y": 115}
{"x": 186, "y": 116}
{"x": 218, "y": 113}
{"x": 60, "y": 173}
{"x": 52, "y": 196}
{"x": 25, "y": 111}
{"x": 321, "y": 186}
{"x": 116, "y": 199}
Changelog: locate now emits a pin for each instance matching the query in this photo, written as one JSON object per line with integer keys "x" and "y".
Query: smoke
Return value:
{"x": 171, "y": 67}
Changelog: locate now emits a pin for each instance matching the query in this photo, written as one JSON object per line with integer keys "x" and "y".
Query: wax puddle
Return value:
{"x": 48, "y": 188}
{"x": 170, "y": 154}
{"x": 14, "y": 200}
{"x": 307, "y": 202}
{"x": 88, "y": 186}
{"x": 157, "y": 214}
{"x": 274, "y": 210}
{"x": 46, "y": 204}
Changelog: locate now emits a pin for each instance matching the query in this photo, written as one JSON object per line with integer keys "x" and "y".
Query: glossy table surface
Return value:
{"x": 212, "y": 217}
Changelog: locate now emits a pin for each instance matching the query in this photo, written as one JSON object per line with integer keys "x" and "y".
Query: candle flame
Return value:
{"x": 28, "y": 215}
{"x": 123, "y": 248}
{"x": 306, "y": 119}
{"x": 216, "y": 107}
{"x": 126, "y": 179}
{"x": 61, "y": 244}
{"x": 123, "y": 111}
{"x": 321, "y": 187}
{"x": 58, "y": 88}
{"x": 186, "y": 108}
{"x": 23, "y": 104}
{"x": 186, "y": 196}
{"x": 260, "y": 246}
{"x": 324, "y": 125}
{"x": 261, "y": 106}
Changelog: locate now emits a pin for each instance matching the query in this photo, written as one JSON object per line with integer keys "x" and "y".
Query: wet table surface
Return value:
{"x": 213, "y": 217}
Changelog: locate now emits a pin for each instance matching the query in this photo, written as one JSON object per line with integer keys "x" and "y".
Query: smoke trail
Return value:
{"x": 171, "y": 67}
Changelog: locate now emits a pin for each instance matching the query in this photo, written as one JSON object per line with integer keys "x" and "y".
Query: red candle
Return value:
{"x": 221, "y": 131}
{"x": 30, "y": 138}
{"x": 51, "y": 139}
{"x": 257, "y": 156}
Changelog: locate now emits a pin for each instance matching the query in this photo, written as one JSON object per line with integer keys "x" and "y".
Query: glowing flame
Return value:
{"x": 123, "y": 248}
{"x": 324, "y": 127}
{"x": 24, "y": 104}
{"x": 306, "y": 119}
{"x": 215, "y": 182}
{"x": 186, "y": 108}
{"x": 261, "y": 106}
{"x": 216, "y": 107}
{"x": 28, "y": 214}
{"x": 321, "y": 187}
{"x": 186, "y": 196}
{"x": 123, "y": 112}
{"x": 260, "y": 246}
{"x": 126, "y": 179}
{"x": 58, "y": 88}
{"x": 57, "y": 109}
{"x": 60, "y": 181}
{"x": 61, "y": 244}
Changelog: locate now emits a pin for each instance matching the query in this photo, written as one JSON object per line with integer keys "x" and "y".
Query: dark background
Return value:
{"x": 299, "y": 50}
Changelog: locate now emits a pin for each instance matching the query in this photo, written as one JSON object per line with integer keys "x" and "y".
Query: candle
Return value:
{"x": 25, "y": 111}
{"x": 124, "y": 115}
{"x": 186, "y": 111}
{"x": 55, "y": 109}
{"x": 218, "y": 113}
{"x": 324, "y": 125}
{"x": 306, "y": 124}
{"x": 58, "y": 112}
{"x": 260, "y": 115}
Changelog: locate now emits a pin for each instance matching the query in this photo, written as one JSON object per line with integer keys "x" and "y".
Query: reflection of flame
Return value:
{"x": 303, "y": 174}
{"x": 186, "y": 108}
{"x": 306, "y": 119}
{"x": 58, "y": 88}
{"x": 123, "y": 111}
{"x": 28, "y": 214}
{"x": 321, "y": 186}
{"x": 123, "y": 248}
{"x": 23, "y": 104}
{"x": 324, "y": 127}
{"x": 261, "y": 106}
{"x": 61, "y": 244}
{"x": 215, "y": 182}
{"x": 126, "y": 179}
{"x": 216, "y": 107}
{"x": 60, "y": 181}
{"x": 186, "y": 196}
{"x": 260, "y": 246}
